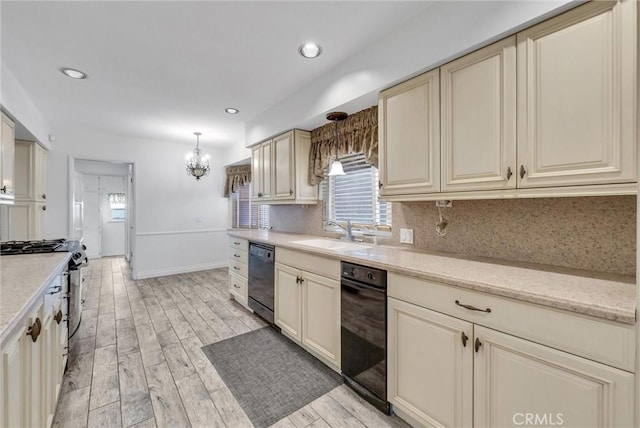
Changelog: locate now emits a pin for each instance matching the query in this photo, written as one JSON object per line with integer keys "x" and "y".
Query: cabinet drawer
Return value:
{"x": 326, "y": 267}
{"x": 596, "y": 339}
{"x": 239, "y": 243}
{"x": 238, "y": 288}
{"x": 238, "y": 255}
{"x": 238, "y": 268}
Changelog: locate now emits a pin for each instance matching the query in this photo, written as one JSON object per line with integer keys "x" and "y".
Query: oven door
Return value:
{"x": 364, "y": 336}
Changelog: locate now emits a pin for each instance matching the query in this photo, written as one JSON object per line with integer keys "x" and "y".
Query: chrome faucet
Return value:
{"x": 348, "y": 229}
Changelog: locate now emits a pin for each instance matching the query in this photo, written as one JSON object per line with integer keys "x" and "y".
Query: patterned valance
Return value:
{"x": 358, "y": 133}
{"x": 236, "y": 176}
{"x": 116, "y": 198}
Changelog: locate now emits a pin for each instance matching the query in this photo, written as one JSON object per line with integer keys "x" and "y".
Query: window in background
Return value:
{"x": 244, "y": 213}
{"x": 118, "y": 207}
{"x": 354, "y": 196}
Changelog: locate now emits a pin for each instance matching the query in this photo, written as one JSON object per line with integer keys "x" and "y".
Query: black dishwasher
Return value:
{"x": 261, "y": 284}
{"x": 364, "y": 332}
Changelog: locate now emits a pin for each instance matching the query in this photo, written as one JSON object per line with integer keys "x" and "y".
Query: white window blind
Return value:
{"x": 354, "y": 196}
{"x": 245, "y": 214}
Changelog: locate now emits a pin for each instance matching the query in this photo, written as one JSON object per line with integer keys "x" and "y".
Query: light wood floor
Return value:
{"x": 136, "y": 359}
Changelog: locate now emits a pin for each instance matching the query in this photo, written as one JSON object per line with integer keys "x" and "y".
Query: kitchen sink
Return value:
{"x": 332, "y": 244}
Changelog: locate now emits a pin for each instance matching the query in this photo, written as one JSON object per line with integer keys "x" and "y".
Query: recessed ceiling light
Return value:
{"x": 232, "y": 110}
{"x": 74, "y": 74}
{"x": 310, "y": 50}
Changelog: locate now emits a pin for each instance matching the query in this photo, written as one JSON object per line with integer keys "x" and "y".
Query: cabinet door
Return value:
{"x": 256, "y": 172}
{"x": 238, "y": 288}
{"x": 267, "y": 170}
{"x": 288, "y": 295}
{"x": 478, "y": 123}
{"x": 40, "y": 213}
{"x": 516, "y": 380}
{"x": 576, "y": 97}
{"x": 40, "y": 173}
{"x": 36, "y": 381}
{"x": 49, "y": 361}
{"x": 409, "y": 131}
{"x": 430, "y": 365}
{"x": 284, "y": 166}
{"x": 24, "y": 171}
{"x": 7, "y": 156}
{"x": 321, "y": 317}
{"x": 13, "y": 381}
{"x": 21, "y": 218}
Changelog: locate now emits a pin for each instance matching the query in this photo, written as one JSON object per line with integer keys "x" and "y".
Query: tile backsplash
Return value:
{"x": 594, "y": 233}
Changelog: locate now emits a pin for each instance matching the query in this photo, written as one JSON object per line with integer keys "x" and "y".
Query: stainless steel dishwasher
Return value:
{"x": 261, "y": 279}
{"x": 364, "y": 332}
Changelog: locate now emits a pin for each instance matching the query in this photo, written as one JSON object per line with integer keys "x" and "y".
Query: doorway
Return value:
{"x": 102, "y": 197}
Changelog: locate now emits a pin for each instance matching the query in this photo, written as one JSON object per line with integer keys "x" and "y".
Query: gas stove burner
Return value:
{"x": 31, "y": 247}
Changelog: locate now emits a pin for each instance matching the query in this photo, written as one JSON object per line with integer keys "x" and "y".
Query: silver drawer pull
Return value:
{"x": 472, "y": 308}
{"x": 236, "y": 285}
{"x": 236, "y": 268}
{"x": 236, "y": 255}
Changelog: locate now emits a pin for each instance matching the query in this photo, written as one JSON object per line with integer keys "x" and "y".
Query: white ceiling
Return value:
{"x": 162, "y": 70}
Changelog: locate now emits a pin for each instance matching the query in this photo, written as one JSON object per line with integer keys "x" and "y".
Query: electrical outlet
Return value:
{"x": 444, "y": 204}
{"x": 406, "y": 236}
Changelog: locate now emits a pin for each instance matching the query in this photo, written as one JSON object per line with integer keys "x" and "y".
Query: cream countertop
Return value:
{"x": 597, "y": 294}
{"x": 23, "y": 279}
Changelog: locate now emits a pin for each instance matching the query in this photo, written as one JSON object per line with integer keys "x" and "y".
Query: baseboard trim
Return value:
{"x": 181, "y": 269}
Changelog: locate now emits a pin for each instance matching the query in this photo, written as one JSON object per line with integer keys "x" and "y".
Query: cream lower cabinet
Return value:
{"x": 33, "y": 360}
{"x": 447, "y": 372}
{"x": 461, "y": 358}
{"x": 238, "y": 270}
{"x": 430, "y": 366}
{"x": 14, "y": 361}
{"x": 307, "y": 309}
{"x": 516, "y": 381}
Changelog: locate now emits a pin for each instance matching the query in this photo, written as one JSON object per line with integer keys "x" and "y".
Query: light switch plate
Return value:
{"x": 406, "y": 236}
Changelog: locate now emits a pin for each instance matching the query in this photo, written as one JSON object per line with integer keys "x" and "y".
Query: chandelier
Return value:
{"x": 197, "y": 165}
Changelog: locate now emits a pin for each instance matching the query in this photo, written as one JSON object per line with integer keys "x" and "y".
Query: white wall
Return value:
{"x": 101, "y": 168}
{"x": 180, "y": 223}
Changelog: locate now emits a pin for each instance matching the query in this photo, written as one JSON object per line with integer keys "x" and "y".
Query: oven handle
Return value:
{"x": 359, "y": 286}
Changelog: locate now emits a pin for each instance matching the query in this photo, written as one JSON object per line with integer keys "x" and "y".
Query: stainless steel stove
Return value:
{"x": 73, "y": 289}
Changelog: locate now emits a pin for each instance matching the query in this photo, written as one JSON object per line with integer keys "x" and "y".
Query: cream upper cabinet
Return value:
{"x": 409, "y": 136}
{"x": 7, "y": 158}
{"x": 284, "y": 166}
{"x": 261, "y": 172}
{"x": 478, "y": 119}
{"x": 577, "y": 97}
{"x": 430, "y": 366}
{"x": 31, "y": 171}
{"x": 515, "y": 377}
{"x": 280, "y": 170}
{"x": 40, "y": 173}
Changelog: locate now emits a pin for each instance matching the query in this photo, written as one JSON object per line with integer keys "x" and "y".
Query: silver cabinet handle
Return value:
{"x": 472, "y": 308}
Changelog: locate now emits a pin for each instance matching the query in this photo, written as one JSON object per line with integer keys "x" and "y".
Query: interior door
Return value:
{"x": 91, "y": 229}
